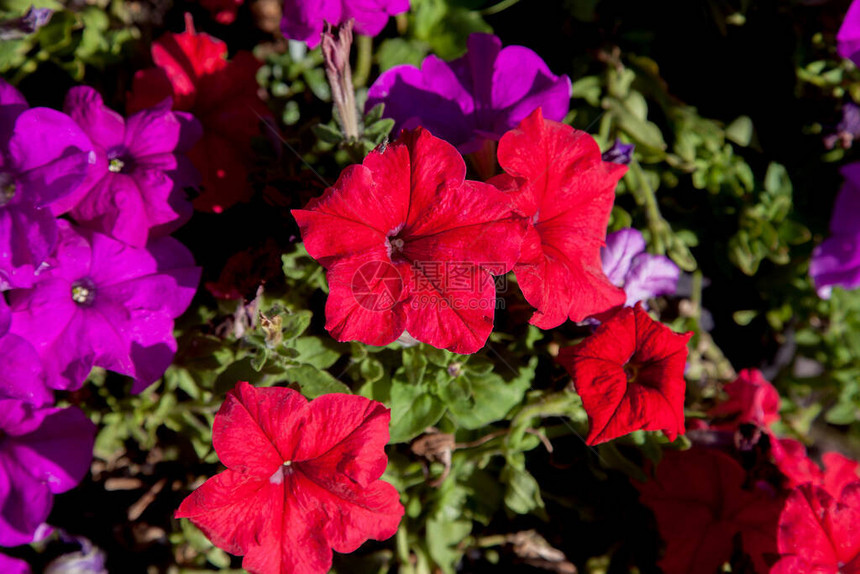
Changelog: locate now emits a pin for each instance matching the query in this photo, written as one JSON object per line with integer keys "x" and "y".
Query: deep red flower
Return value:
{"x": 700, "y": 504}
{"x": 564, "y": 187}
{"x": 752, "y": 399}
{"x": 410, "y": 246}
{"x": 820, "y": 533}
{"x": 630, "y": 375}
{"x": 301, "y": 479}
{"x": 194, "y": 71}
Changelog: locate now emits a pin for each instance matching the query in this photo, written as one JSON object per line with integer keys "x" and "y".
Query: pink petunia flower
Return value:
{"x": 302, "y": 479}
{"x": 411, "y": 246}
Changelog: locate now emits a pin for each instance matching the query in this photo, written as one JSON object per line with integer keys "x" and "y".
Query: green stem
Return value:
{"x": 645, "y": 196}
{"x": 364, "y": 45}
{"x": 553, "y": 404}
{"x": 496, "y": 8}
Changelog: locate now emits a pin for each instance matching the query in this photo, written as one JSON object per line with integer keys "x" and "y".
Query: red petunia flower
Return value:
{"x": 301, "y": 479}
{"x": 700, "y": 506}
{"x": 752, "y": 399}
{"x": 819, "y": 533}
{"x": 630, "y": 375}
{"x": 410, "y": 246}
{"x": 567, "y": 190}
{"x": 194, "y": 71}
{"x": 790, "y": 457}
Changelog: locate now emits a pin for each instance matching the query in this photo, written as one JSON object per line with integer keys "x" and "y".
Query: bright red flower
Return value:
{"x": 820, "y": 533}
{"x": 194, "y": 71}
{"x": 630, "y": 375}
{"x": 700, "y": 504}
{"x": 752, "y": 399}
{"x": 301, "y": 479}
{"x": 790, "y": 457}
{"x": 566, "y": 190}
{"x": 410, "y": 246}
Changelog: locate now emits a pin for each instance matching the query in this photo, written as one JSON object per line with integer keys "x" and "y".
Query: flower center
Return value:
{"x": 7, "y": 188}
{"x": 632, "y": 371}
{"x": 394, "y": 243}
{"x": 84, "y": 292}
{"x": 115, "y": 165}
{"x": 283, "y": 470}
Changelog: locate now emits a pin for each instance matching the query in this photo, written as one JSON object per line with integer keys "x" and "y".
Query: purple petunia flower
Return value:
{"x": 21, "y": 373}
{"x": 620, "y": 153}
{"x": 44, "y": 156}
{"x": 90, "y": 559}
{"x": 640, "y": 274}
{"x": 108, "y": 304}
{"x": 837, "y": 260}
{"x": 9, "y": 565}
{"x": 848, "y": 37}
{"x": 472, "y": 99}
{"x": 303, "y": 19}
{"x": 135, "y": 190}
{"x": 44, "y": 451}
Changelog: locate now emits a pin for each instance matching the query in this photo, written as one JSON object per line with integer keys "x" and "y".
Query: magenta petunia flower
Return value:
{"x": 135, "y": 191}
{"x": 303, "y": 19}
{"x": 848, "y": 37}
{"x": 44, "y": 451}
{"x": 44, "y": 156}
{"x": 475, "y": 98}
{"x": 108, "y": 304}
{"x": 21, "y": 373}
{"x": 9, "y": 565}
{"x": 836, "y": 262}
{"x": 641, "y": 275}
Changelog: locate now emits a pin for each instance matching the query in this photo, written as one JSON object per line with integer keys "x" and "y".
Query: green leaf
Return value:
{"x": 523, "y": 492}
{"x": 316, "y": 352}
{"x": 398, "y": 51}
{"x": 314, "y": 382}
{"x": 443, "y": 541}
{"x": 487, "y": 397}
{"x": 412, "y": 410}
{"x": 328, "y": 133}
{"x": 740, "y": 131}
